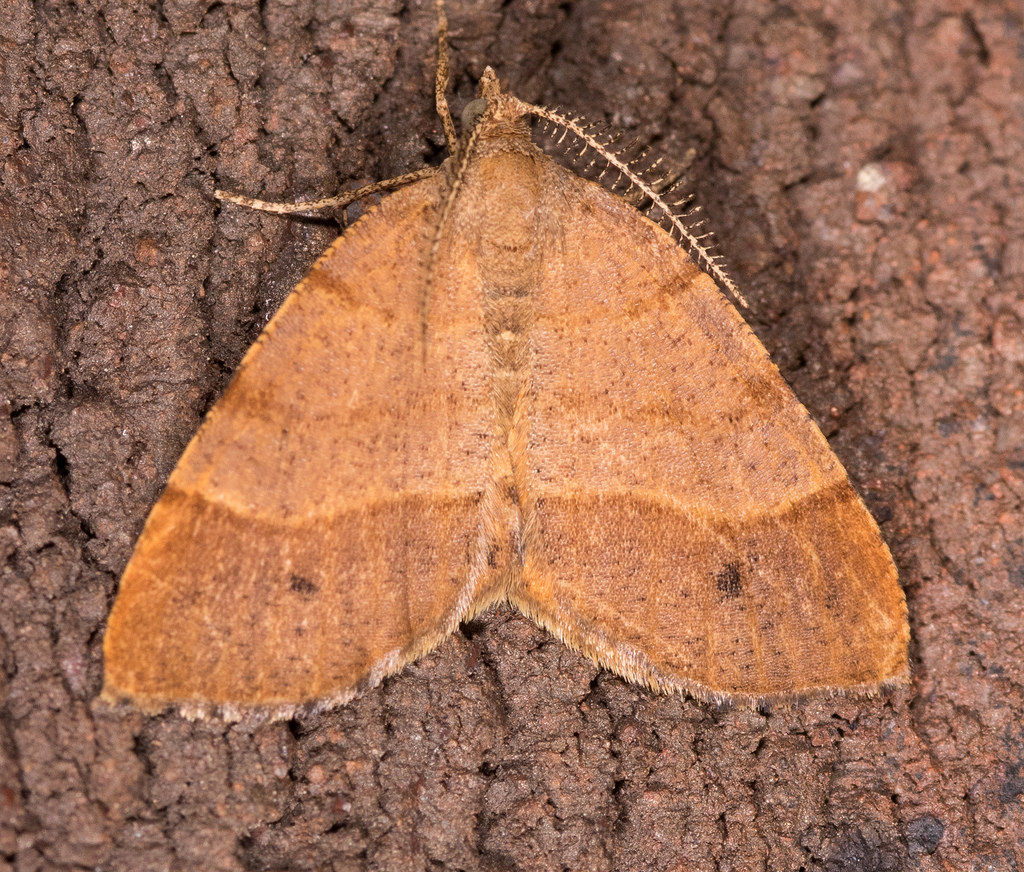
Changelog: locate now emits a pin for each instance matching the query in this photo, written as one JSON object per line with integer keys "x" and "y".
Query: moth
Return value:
{"x": 504, "y": 383}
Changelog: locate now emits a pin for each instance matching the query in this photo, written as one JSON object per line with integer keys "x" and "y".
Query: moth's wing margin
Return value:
{"x": 689, "y": 526}
{"x": 322, "y": 527}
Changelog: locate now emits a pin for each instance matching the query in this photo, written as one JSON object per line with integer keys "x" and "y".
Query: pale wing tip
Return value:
{"x": 247, "y": 714}
{"x": 763, "y": 702}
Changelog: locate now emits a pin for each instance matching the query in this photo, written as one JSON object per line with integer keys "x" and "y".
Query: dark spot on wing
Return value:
{"x": 302, "y": 586}
{"x": 728, "y": 581}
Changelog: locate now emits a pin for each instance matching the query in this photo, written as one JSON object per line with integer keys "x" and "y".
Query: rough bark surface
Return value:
{"x": 863, "y": 166}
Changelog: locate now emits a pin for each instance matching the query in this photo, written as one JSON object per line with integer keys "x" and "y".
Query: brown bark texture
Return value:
{"x": 863, "y": 167}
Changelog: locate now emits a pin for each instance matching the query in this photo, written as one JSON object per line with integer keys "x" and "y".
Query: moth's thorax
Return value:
{"x": 502, "y": 190}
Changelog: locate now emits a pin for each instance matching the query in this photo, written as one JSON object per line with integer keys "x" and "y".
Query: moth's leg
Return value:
{"x": 328, "y": 202}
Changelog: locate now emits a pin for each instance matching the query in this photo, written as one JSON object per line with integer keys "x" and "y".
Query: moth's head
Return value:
{"x": 493, "y": 111}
